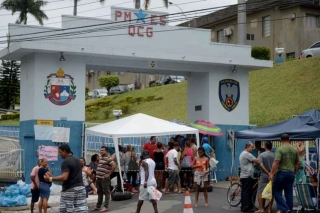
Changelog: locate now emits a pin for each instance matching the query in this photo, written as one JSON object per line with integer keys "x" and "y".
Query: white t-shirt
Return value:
{"x": 151, "y": 166}
{"x": 171, "y": 155}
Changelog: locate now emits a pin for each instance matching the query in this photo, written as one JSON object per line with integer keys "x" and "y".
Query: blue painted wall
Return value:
{"x": 223, "y": 152}
{"x": 29, "y": 144}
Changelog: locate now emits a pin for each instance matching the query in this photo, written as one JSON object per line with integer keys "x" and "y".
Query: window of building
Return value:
{"x": 266, "y": 26}
{"x": 291, "y": 55}
{"x": 312, "y": 20}
{"x": 220, "y": 36}
{"x": 250, "y": 37}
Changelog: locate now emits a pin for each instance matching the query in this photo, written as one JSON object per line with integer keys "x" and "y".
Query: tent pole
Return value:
{"x": 116, "y": 148}
{"x": 198, "y": 139}
{"x": 85, "y": 147}
{"x": 307, "y": 155}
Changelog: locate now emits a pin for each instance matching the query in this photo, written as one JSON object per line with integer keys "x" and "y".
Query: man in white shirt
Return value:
{"x": 247, "y": 160}
{"x": 147, "y": 179}
{"x": 173, "y": 168}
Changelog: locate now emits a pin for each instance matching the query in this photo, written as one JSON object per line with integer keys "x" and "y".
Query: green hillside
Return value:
{"x": 285, "y": 90}
{"x": 275, "y": 95}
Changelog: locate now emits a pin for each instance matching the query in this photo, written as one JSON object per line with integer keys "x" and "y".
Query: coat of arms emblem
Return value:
{"x": 229, "y": 93}
{"x": 60, "y": 89}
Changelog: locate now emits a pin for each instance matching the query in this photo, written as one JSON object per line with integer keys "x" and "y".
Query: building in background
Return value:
{"x": 289, "y": 24}
{"x": 127, "y": 78}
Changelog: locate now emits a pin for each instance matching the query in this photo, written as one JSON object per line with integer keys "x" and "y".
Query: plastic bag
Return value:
{"x": 20, "y": 200}
{"x": 55, "y": 189}
{"x": 213, "y": 162}
{"x": 20, "y": 183}
{"x": 12, "y": 191}
{"x": 25, "y": 190}
{"x": 154, "y": 193}
{"x": 267, "y": 192}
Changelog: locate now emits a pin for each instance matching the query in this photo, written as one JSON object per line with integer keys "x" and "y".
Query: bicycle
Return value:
{"x": 234, "y": 194}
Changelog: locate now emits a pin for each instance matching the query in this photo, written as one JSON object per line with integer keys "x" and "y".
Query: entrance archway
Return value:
{"x": 133, "y": 41}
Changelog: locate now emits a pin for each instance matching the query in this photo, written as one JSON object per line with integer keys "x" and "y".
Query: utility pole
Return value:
{"x": 242, "y": 20}
{"x": 137, "y": 84}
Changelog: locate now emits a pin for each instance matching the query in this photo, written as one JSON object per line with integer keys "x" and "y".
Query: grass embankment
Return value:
{"x": 275, "y": 95}
{"x": 285, "y": 90}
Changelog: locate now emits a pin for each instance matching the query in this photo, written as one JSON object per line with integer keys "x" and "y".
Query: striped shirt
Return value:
{"x": 104, "y": 167}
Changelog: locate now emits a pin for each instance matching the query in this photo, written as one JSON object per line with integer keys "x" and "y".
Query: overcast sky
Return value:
{"x": 102, "y": 11}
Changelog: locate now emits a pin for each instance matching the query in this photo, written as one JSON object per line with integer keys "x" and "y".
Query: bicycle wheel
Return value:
{"x": 255, "y": 200}
{"x": 234, "y": 194}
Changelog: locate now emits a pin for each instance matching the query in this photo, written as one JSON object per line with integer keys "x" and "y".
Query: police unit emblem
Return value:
{"x": 229, "y": 93}
{"x": 60, "y": 89}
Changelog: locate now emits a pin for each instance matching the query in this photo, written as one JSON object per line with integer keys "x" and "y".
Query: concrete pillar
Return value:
{"x": 242, "y": 19}
{"x": 213, "y": 106}
{"x": 36, "y": 104}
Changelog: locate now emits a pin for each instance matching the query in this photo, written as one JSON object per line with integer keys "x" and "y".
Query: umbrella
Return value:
{"x": 207, "y": 128}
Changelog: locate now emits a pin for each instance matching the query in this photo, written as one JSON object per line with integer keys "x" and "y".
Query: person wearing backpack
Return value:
{"x": 131, "y": 167}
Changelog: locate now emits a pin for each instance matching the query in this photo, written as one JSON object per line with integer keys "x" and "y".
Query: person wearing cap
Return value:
{"x": 147, "y": 179}
{"x": 207, "y": 148}
{"x": 73, "y": 194}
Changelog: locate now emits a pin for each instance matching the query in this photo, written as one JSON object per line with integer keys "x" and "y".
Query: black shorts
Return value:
{"x": 159, "y": 166}
{"x": 35, "y": 194}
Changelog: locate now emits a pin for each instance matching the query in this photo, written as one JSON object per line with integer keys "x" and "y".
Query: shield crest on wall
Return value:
{"x": 229, "y": 93}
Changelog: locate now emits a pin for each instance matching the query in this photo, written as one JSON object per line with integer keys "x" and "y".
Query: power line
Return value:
{"x": 81, "y": 27}
{"x": 154, "y": 31}
{"x": 5, "y": 26}
{"x": 92, "y": 30}
{"x": 58, "y": 8}
{"x": 55, "y": 36}
{"x": 96, "y": 16}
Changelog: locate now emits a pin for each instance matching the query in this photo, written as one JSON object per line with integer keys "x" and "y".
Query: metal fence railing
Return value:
{"x": 11, "y": 158}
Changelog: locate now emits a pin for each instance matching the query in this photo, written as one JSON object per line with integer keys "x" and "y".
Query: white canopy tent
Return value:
{"x": 138, "y": 125}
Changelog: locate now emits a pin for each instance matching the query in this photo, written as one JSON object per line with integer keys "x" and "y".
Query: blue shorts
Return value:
{"x": 44, "y": 189}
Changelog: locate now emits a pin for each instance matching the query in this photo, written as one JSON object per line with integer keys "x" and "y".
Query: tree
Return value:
{"x": 137, "y": 4}
{"x": 32, "y": 7}
{"x": 109, "y": 81}
{"x": 75, "y": 6}
{"x": 9, "y": 83}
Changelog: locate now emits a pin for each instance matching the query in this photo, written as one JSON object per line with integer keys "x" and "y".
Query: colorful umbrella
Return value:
{"x": 207, "y": 128}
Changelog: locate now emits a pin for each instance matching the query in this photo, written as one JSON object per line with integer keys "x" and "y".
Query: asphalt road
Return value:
{"x": 174, "y": 203}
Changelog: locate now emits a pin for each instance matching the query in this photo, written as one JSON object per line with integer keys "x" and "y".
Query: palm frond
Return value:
{"x": 36, "y": 11}
{"x": 166, "y": 3}
{"x": 40, "y": 3}
{"x": 23, "y": 18}
{"x": 7, "y": 5}
{"x": 146, "y": 4}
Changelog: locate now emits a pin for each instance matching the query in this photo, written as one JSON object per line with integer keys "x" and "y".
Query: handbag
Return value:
{"x": 186, "y": 162}
{"x": 133, "y": 166}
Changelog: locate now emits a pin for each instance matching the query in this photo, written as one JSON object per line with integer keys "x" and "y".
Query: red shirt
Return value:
{"x": 150, "y": 147}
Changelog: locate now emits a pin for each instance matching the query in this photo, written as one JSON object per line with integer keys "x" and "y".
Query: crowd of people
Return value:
{"x": 171, "y": 168}
{"x": 284, "y": 168}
